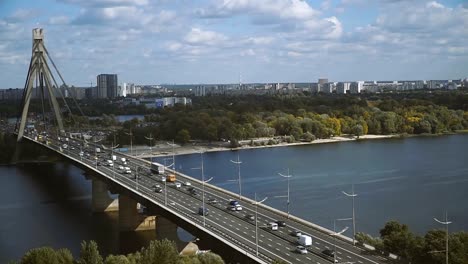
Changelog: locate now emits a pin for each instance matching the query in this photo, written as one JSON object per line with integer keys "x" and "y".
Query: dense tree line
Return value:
{"x": 161, "y": 252}
{"x": 298, "y": 117}
{"x": 303, "y": 118}
{"x": 428, "y": 249}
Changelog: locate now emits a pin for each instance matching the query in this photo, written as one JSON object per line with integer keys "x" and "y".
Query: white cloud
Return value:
{"x": 59, "y": 20}
{"x": 283, "y": 9}
{"x": 197, "y": 36}
{"x": 106, "y": 3}
{"x": 434, "y": 4}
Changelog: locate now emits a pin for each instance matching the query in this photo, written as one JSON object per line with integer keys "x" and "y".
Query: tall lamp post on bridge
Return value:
{"x": 287, "y": 176}
{"x": 131, "y": 141}
{"x": 165, "y": 182}
{"x": 238, "y": 162}
{"x": 112, "y": 156}
{"x": 203, "y": 187}
{"x": 136, "y": 176}
{"x": 256, "y": 203}
{"x": 150, "y": 138}
{"x": 173, "y": 154}
{"x": 95, "y": 150}
{"x": 352, "y": 195}
{"x": 334, "y": 234}
{"x": 446, "y": 223}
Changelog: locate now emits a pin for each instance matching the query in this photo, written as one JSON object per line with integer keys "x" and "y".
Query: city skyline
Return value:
{"x": 238, "y": 40}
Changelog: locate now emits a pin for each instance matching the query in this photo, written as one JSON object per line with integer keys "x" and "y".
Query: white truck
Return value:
{"x": 304, "y": 240}
{"x": 98, "y": 150}
{"x": 124, "y": 161}
{"x": 157, "y": 168}
{"x": 114, "y": 157}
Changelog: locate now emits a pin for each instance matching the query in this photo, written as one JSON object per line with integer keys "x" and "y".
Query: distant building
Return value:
{"x": 356, "y": 87}
{"x": 11, "y": 94}
{"x": 327, "y": 87}
{"x": 342, "y": 87}
{"x": 107, "y": 86}
{"x": 200, "y": 90}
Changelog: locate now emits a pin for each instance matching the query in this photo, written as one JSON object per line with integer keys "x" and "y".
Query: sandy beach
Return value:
{"x": 165, "y": 148}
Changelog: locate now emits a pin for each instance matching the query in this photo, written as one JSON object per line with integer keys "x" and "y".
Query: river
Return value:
{"x": 410, "y": 180}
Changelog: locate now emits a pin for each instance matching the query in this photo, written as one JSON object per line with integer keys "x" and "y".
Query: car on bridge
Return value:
{"x": 212, "y": 201}
{"x": 203, "y": 211}
{"x": 158, "y": 189}
{"x": 281, "y": 223}
{"x": 330, "y": 254}
{"x": 296, "y": 233}
{"x": 250, "y": 217}
{"x": 301, "y": 250}
{"x": 234, "y": 206}
{"x": 192, "y": 191}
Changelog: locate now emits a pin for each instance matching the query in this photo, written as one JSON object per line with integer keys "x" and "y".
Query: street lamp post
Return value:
{"x": 131, "y": 141}
{"x": 446, "y": 223}
{"x": 95, "y": 150}
{"x": 173, "y": 155}
{"x": 165, "y": 184}
{"x": 238, "y": 162}
{"x": 150, "y": 138}
{"x": 352, "y": 195}
{"x": 288, "y": 201}
{"x": 334, "y": 234}
{"x": 256, "y": 203}
{"x": 136, "y": 176}
{"x": 203, "y": 186}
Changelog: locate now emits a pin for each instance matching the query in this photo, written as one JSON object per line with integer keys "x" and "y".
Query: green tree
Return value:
{"x": 358, "y": 130}
{"x": 183, "y": 136}
{"x": 47, "y": 255}
{"x": 119, "y": 259}
{"x": 308, "y": 137}
{"x": 210, "y": 258}
{"x": 161, "y": 252}
{"x": 398, "y": 239}
{"x": 89, "y": 253}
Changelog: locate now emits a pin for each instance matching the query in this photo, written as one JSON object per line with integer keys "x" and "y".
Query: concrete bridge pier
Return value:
{"x": 167, "y": 229}
{"x": 101, "y": 202}
{"x": 130, "y": 219}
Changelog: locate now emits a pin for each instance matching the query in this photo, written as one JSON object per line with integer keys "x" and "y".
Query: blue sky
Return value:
{"x": 213, "y": 41}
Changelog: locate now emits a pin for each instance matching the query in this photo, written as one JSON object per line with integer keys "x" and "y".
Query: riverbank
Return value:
{"x": 165, "y": 149}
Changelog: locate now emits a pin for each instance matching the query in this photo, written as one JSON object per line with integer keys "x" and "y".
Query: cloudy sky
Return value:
{"x": 214, "y": 41}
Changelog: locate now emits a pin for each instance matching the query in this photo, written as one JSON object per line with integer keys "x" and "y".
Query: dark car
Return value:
{"x": 158, "y": 189}
{"x": 192, "y": 190}
{"x": 296, "y": 233}
{"x": 281, "y": 223}
{"x": 250, "y": 217}
{"x": 202, "y": 211}
{"x": 329, "y": 253}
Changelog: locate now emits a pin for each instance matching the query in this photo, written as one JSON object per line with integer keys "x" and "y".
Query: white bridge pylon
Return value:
{"x": 39, "y": 72}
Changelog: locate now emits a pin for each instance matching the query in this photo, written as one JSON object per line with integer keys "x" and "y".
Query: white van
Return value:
{"x": 304, "y": 240}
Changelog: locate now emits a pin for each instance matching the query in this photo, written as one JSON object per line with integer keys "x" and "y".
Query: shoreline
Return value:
{"x": 192, "y": 149}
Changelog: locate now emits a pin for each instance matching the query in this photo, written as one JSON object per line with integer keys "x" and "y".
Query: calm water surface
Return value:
{"x": 410, "y": 180}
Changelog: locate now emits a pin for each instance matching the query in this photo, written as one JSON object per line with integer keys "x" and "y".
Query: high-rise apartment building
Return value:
{"x": 107, "y": 86}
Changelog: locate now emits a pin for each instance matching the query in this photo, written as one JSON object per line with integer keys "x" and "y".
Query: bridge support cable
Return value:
{"x": 64, "y": 83}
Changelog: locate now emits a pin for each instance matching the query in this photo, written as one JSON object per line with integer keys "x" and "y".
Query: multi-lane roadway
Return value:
{"x": 238, "y": 227}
